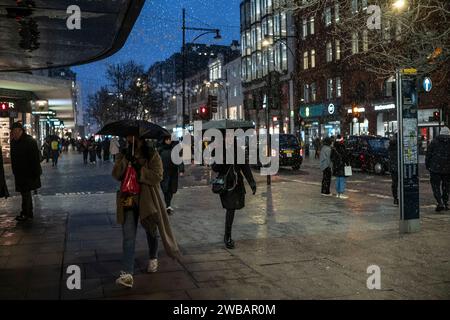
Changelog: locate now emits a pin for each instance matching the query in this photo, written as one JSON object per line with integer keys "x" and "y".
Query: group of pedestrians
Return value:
{"x": 93, "y": 150}
{"x": 333, "y": 160}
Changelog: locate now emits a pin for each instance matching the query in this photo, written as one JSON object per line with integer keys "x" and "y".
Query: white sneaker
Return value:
{"x": 338, "y": 195}
{"x": 170, "y": 211}
{"x": 343, "y": 196}
{"x": 125, "y": 280}
{"x": 152, "y": 266}
{"x": 327, "y": 194}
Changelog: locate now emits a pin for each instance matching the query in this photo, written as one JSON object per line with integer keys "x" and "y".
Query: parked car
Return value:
{"x": 369, "y": 153}
{"x": 290, "y": 152}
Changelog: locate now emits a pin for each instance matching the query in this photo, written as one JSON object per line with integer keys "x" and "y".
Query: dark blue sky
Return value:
{"x": 157, "y": 34}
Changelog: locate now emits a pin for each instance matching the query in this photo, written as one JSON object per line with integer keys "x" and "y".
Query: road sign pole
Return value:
{"x": 408, "y": 156}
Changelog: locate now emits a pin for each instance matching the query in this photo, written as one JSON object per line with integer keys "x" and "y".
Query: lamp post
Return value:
{"x": 205, "y": 32}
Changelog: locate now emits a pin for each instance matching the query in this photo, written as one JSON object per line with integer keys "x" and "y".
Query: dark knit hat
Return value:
{"x": 17, "y": 125}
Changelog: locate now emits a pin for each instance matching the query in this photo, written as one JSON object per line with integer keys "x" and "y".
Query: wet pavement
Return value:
{"x": 292, "y": 243}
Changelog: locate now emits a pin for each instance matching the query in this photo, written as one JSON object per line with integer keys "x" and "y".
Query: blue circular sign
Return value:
{"x": 427, "y": 84}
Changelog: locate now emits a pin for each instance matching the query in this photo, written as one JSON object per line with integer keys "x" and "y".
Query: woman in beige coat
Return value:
{"x": 147, "y": 207}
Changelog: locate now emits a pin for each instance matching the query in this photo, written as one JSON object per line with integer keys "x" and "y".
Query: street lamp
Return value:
{"x": 399, "y": 4}
{"x": 205, "y": 32}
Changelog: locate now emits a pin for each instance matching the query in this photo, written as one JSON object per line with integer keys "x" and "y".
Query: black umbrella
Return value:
{"x": 140, "y": 128}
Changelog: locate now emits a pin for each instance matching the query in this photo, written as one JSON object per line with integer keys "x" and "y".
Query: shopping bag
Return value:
{"x": 348, "y": 171}
{"x": 130, "y": 184}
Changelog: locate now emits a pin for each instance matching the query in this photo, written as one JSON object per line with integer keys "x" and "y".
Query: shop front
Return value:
{"x": 320, "y": 121}
{"x": 428, "y": 127}
{"x": 386, "y": 115}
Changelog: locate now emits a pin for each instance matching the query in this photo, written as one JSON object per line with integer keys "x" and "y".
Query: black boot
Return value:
{"x": 229, "y": 243}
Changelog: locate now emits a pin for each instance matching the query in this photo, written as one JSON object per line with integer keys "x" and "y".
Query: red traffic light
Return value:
{"x": 203, "y": 110}
{"x": 4, "y": 106}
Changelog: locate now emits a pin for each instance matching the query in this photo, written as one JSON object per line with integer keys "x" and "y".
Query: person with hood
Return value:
{"x": 169, "y": 184}
{"x": 437, "y": 161}
{"x": 233, "y": 196}
{"x": 146, "y": 207}
{"x": 340, "y": 160}
{"x": 393, "y": 166}
{"x": 114, "y": 147}
{"x": 26, "y": 167}
{"x": 325, "y": 166}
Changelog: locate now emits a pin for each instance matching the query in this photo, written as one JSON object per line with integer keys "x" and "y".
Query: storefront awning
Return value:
{"x": 41, "y": 33}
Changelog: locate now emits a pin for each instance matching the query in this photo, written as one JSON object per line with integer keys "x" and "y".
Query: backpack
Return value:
{"x": 55, "y": 145}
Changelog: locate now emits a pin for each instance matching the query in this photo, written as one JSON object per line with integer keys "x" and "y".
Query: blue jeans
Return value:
{"x": 340, "y": 185}
{"x": 129, "y": 230}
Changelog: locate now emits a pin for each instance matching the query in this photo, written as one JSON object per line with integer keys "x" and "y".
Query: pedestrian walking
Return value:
{"x": 317, "y": 146}
{"x": 26, "y": 167}
{"x": 84, "y": 149}
{"x": 340, "y": 160}
{"x": 169, "y": 184}
{"x": 92, "y": 151}
{"x": 393, "y": 166}
{"x": 114, "y": 147}
{"x": 98, "y": 149}
{"x": 56, "y": 150}
{"x": 437, "y": 161}
{"x": 325, "y": 166}
{"x": 46, "y": 150}
{"x": 233, "y": 193}
{"x": 145, "y": 205}
{"x": 105, "y": 146}
{"x": 4, "y": 193}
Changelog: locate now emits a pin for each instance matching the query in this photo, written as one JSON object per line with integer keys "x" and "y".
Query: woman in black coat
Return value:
{"x": 340, "y": 160}
{"x": 3, "y": 187}
{"x": 169, "y": 184}
{"x": 234, "y": 197}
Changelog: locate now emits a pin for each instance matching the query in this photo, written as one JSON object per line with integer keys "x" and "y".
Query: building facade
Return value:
{"x": 267, "y": 65}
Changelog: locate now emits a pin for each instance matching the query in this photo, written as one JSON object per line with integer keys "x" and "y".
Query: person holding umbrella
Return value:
{"x": 143, "y": 204}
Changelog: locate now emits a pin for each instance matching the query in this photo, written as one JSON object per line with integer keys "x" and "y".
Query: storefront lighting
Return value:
{"x": 384, "y": 107}
{"x": 357, "y": 110}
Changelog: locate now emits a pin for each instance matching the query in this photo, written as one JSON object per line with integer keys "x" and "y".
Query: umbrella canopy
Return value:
{"x": 228, "y": 124}
{"x": 140, "y": 128}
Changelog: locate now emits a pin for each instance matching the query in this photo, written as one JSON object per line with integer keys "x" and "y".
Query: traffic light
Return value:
{"x": 205, "y": 113}
{"x": 4, "y": 110}
{"x": 437, "y": 116}
{"x": 212, "y": 103}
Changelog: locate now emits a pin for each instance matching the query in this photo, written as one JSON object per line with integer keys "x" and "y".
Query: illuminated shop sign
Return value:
{"x": 384, "y": 107}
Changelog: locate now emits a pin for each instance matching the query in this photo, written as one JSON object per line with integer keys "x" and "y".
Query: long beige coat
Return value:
{"x": 152, "y": 210}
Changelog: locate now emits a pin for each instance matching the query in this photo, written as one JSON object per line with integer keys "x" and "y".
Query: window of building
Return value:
{"x": 253, "y": 12}
{"x": 215, "y": 71}
{"x": 258, "y": 10}
{"x": 254, "y": 65}
{"x": 338, "y": 87}
{"x": 387, "y": 30}
{"x": 329, "y": 52}
{"x": 305, "y": 60}
{"x": 329, "y": 89}
{"x": 283, "y": 24}
{"x": 305, "y": 28}
{"x": 313, "y": 92}
{"x": 284, "y": 56}
{"x": 365, "y": 39}
{"x": 276, "y": 25}
{"x": 327, "y": 16}
{"x": 355, "y": 43}
{"x": 364, "y": 4}
{"x": 336, "y": 12}
{"x": 259, "y": 71}
{"x": 306, "y": 93}
{"x": 258, "y": 37}
{"x": 338, "y": 49}
{"x": 311, "y": 25}
{"x": 398, "y": 31}
{"x": 354, "y": 6}
{"x": 313, "y": 58}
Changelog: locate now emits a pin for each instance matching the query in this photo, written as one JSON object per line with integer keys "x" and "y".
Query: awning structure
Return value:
{"x": 58, "y": 92}
{"x": 34, "y": 33}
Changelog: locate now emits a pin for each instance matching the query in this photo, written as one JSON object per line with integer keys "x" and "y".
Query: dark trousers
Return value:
{"x": 55, "y": 156}
{"x": 27, "y": 204}
{"x": 440, "y": 184}
{"x": 229, "y": 218}
{"x": 85, "y": 157}
{"x": 326, "y": 181}
{"x": 168, "y": 198}
{"x": 92, "y": 156}
{"x": 394, "y": 177}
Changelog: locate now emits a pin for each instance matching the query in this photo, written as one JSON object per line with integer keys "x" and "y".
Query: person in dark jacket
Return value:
{"x": 169, "y": 184}
{"x": 26, "y": 167}
{"x": 92, "y": 150}
{"x": 105, "y": 146}
{"x": 325, "y": 166}
{"x": 46, "y": 150}
{"x": 393, "y": 166}
{"x": 437, "y": 162}
{"x": 234, "y": 197}
{"x": 3, "y": 187}
{"x": 340, "y": 160}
